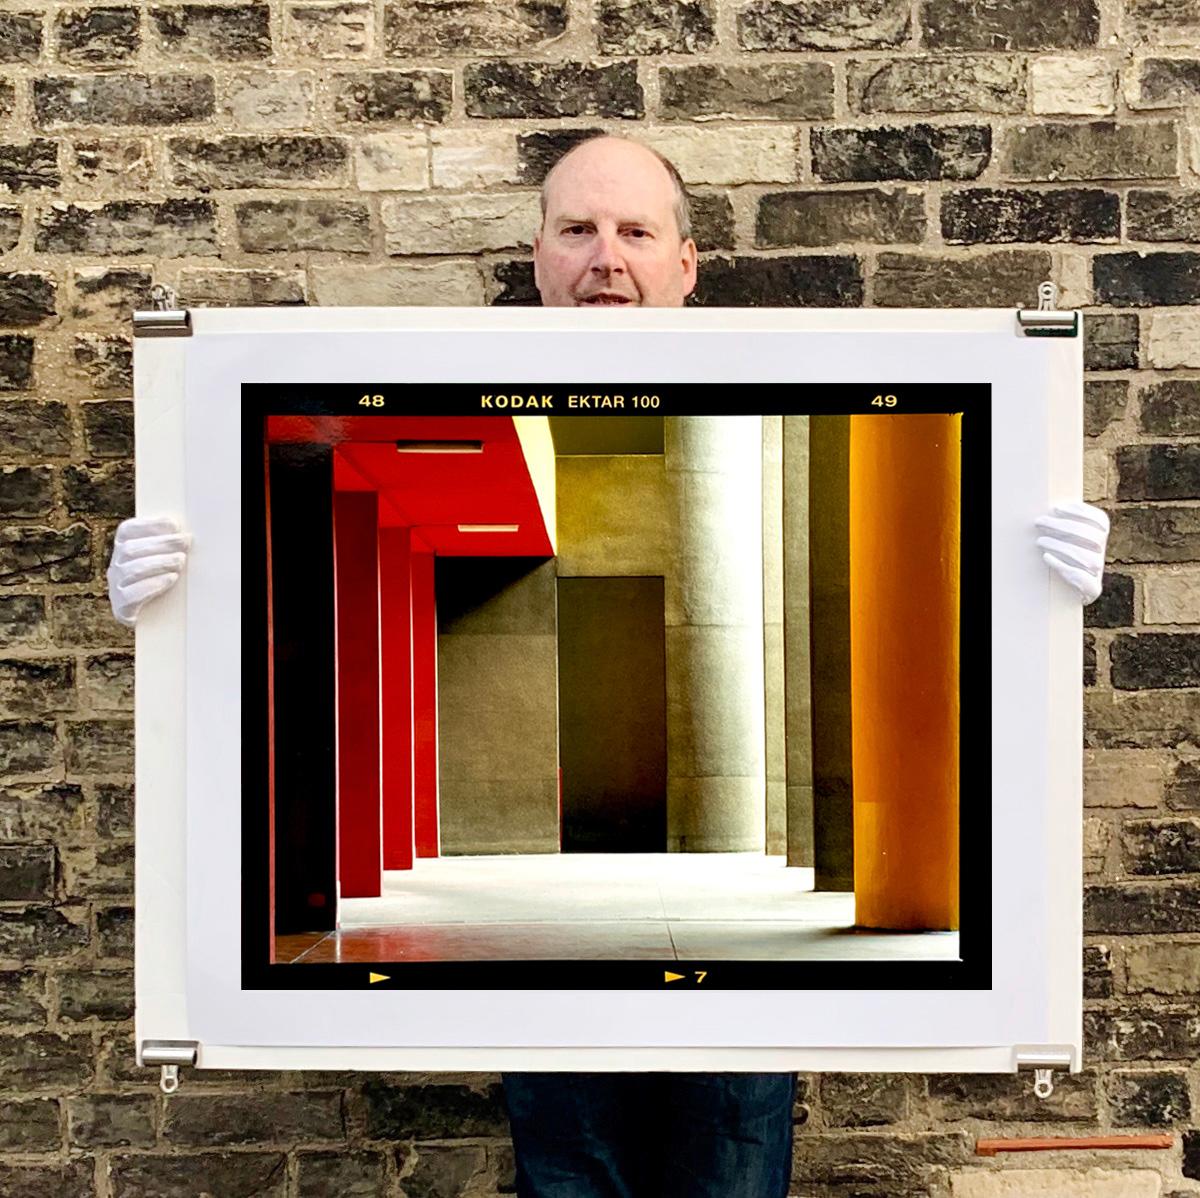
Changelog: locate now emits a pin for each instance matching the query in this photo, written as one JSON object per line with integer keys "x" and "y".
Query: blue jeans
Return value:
{"x": 651, "y": 1135}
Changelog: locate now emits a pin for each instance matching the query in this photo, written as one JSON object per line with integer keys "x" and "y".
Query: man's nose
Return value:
{"x": 606, "y": 254}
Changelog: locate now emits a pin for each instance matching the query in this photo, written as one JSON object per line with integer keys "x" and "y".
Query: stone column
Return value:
{"x": 716, "y": 781}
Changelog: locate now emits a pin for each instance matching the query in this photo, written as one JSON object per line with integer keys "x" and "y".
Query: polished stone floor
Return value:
{"x": 580, "y": 906}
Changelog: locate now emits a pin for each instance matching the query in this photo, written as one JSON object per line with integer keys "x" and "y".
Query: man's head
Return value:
{"x": 615, "y": 229}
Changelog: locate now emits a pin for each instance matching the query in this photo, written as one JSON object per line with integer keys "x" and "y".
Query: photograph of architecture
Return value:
{"x": 613, "y": 686}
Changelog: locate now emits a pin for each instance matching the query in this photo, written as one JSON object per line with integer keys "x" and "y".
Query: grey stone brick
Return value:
{"x": 220, "y": 1119}
{"x": 114, "y": 933}
{"x": 27, "y": 747}
{"x": 1162, "y": 216}
{"x": 102, "y": 490}
{"x": 1171, "y": 407}
{"x": 96, "y": 994}
{"x": 105, "y": 361}
{"x": 877, "y": 1165}
{"x": 789, "y": 25}
{"x": 433, "y": 1111}
{"x": 103, "y": 35}
{"x": 656, "y": 26}
{"x": 1158, "y": 471}
{"x": 35, "y": 933}
{"x": 912, "y": 152}
{"x": 346, "y": 31}
{"x": 817, "y": 280}
{"x": 1169, "y": 82}
{"x": 268, "y": 225}
{"x": 341, "y": 1173}
{"x": 786, "y": 91}
{"x": 26, "y": 490}
{"x": 415, "y": 28}
{"x": 135, "y": 99}
{"x": 712, "y": 221}
{"x": 435, "y": 1169}
{"x": 1004, "y": 278}
{"x": 46, "y": 812}
{"x": 107, "y": 681}
{"x": 375, "y": 97}
{"x": 1011, "y": 24}
{"x": 1163, "y": 20}
{"x": 26, "y": 298}
{"x": 20, "y": 36}
{"x": 816, "y": 218}
{"x": 980, "y": 214}
{"x": 1148, "y": 1098}
{"x": 1147, "y": 280}
{"x": 1155, "y": 847}
{"x": 8, "y": 99}
{"x": 213, "y": 32}
{"x": 1089, "y": 659}
{"x": 114, "y": 810}
{"x": 537, "y": 152}
{"x": 168, "y": 228}
{"x": 29, "y": 166}
{"x": 1104, "y": 401}
{"x": 547, "y": 91}
{"x": 863, "y": 1099}
{"x": 27, "y": 873}
{"x": 71, "y": 1180}
{"x": 10, "y": 218}
{"x": 110, "y": 1121}
{"x": 22, "y": 620}
{"x": 938, "y": 84}
{"x": 31, "y": 553}
{"x": 98, "y": 871}
{"x": 22, "y": 996}
{"x": 123, "y": 163}
{"x": 220, "y": 288}
{"x": 1097, "y": 971}
{"x": 37, "y": 686}
{"x": 108, "y": 428}
{"x": 992, "y": 1097}
{"x": 1191, "y": 1155}
{"x": 258, "y": 161}
{"x": 1092, "y": 150}
{"x": 29, "y": 1126}
{"x": 105, "y": 293}
{"x": 516, "y": 284}
{"x": 1134, "y": 908}
{"x": 41, "y": 1060}
{"x": 99, "y": 746}
{"x": 1155, "y": 660}
{"x": 85, "y": 621}
{"x": 1183, "y": 789}
{"x": 1142, "y": 1035}
{"x": 1110, "y": 341}
{"x": 1114, "y": 607}
{"x": 16, "y": 363}
{"x": 229, "y": 1174}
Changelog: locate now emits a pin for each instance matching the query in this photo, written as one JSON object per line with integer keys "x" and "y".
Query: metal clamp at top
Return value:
{"x": 1048, "y": 320}
{"x": 165, "y": 319}
{"x": 170, "y": 1054}
{"x": 1042, "y": 1062}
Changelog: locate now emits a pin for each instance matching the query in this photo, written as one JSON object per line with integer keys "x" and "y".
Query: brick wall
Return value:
{"x": 886, "y": 152}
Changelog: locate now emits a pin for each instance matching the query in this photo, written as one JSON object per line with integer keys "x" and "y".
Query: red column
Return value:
{"x": 396, "y": 695}
{"x": 356, "y": 565}
{"x": 425, "y": 756}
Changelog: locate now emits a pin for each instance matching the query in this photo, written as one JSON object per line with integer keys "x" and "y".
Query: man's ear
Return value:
{"x": 537, "y": 249}
{"x": 689, "y": 258}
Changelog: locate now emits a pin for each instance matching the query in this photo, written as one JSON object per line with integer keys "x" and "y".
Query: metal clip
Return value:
{"x": 164, "y": 319}
{"x": 169, "y": 1082}
{"x": 1042, "y": 1062}
{"x": 1047, "y": 319}
{"x": 170, "y": 1054}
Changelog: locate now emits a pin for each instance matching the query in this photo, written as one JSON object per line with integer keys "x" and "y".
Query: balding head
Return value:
{"x": 615, "y": 229}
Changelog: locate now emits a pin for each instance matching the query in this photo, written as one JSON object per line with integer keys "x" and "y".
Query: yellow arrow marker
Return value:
{"x": 378, "y": 977}
{"x": 668, "y": 976}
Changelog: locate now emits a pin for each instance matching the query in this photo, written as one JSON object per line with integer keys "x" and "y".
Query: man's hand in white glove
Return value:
{"x": 148, "y": 556}
{"x": 1072, "y": 544}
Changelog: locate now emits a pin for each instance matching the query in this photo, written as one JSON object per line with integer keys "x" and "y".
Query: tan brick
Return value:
{"x": 1168, "y": 969}
{"x": 464, "y": 158}
{"x": 330, "y": 30}
{"x": 460, "y": 224}
{"x": 1171, "y": 596}
{"x": 434, "y": 284}
{"x": 1056, "y": 1183}
{"x": 1076, "y": 86}
{"x": 1123, "y": 777}
{"x": 1174, "y": 339}
{"x": 1095, "y": 474}
{"x": 394, "y": 161}
{"x": 722, "y": 156}
{"x": 269, "y": 99}
{"x": 1097, "y": 834}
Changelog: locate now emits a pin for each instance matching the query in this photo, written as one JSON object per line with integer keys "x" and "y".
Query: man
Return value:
{"x": 616, "y": 232}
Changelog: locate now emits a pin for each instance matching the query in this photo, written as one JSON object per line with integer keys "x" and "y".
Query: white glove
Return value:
{"x": 1073, "y": 547}
{"x": 148, "y": 555}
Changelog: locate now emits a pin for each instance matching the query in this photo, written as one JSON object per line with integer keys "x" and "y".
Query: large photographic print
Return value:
{"x": 654, "y": 686}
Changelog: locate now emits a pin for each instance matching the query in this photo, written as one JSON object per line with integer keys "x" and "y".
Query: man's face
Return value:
{"x": 609, "y": 237}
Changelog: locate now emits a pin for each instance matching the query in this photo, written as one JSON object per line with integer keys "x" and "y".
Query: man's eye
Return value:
{"x": 638, "y": 232}
{"x": 575, "y": 229}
